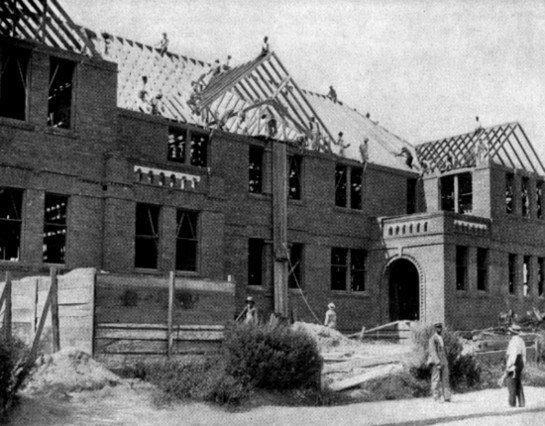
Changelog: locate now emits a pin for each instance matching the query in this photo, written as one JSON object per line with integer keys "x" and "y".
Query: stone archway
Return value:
{"x": 403, "y": 290}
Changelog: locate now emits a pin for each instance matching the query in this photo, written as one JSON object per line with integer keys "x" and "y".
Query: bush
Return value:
{"x": 464, "y": 370}
{"x": 13, "y": 372}
{"x": 272, "y": 357}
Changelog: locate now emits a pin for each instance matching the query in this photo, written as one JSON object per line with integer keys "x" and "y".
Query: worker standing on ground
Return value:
{"x": 437, "y": 359}
{"x": 331, "y": 317}
{"x": 516, "y": 359}
{"x": 251, "y": 312}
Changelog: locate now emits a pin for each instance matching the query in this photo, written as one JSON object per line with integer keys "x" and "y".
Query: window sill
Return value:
{"x": 347, "y": 210}
{"x": 296, "y": 202}
{"x": 147, "y": 271}
{"x": 57, "y": 131}
{"x": 259, "y": 195}
{"x": 18, "y": 124}
{"x": 191, "y": 274}
{"x": 345, "y": 293}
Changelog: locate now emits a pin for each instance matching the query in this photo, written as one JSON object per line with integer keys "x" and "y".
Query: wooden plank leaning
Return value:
{"x": 171, "y": 287}
{"x": 5, "y": 300}
{"x": 55, "y": 310}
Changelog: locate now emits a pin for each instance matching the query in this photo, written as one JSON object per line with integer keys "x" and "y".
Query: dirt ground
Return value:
{"x": 132, "y": 403}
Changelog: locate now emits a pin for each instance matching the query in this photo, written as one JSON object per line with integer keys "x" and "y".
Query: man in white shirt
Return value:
{"x": 438, "y": 362}
{"x": 516, "y": 359}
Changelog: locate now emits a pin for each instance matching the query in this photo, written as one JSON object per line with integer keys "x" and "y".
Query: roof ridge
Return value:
{"x": 495, "y": 126}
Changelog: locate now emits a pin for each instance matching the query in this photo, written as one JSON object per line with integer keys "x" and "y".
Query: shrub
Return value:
{"x": 13, "y": 372}
{"x": 272, "y": 357}
{"x": 464, "y": 369}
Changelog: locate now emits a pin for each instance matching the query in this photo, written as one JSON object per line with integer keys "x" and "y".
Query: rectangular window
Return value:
{"x": 147, "y": 236}
{"x": 465, "y": 193}
{"x": 525, "y": 196}
{"x": 61, "y": 81}
{"x": 55, "y": 226}
{"x": 526, "y": 274}
{"x": 512, "y": 265}
{"x": 198, "y": 149}
{"x": 539, "y": 200}
{"x": 13, "y": 82}
{"x": 447, "y": 193}
{"x": 482, "y": 269}
{"x": 540, "y": 276}
{"x": 339, "y": 267}
{"x": 186, "y": 240}
{"x": 295, "y": 266}
{"x": 341, "y": 173}
{"x": 11, "y": 202}
{"x": 509, "y": 180}
{"x": 255, "y": 261}
{"x": 461, "y": 267}
{"x": 177, "y": 145}
{"x": 255, "y": 170}
{"x": 356, "y": 180}
{"x": 358, "y": 260}
{"x": 411, "y": 196}
{"x": 294, "y": 177}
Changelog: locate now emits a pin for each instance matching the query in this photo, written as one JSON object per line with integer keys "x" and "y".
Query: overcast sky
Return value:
{"x": 424, "y": 69}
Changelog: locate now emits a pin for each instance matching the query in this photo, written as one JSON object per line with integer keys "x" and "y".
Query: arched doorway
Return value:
{"x": 403, "y": 284}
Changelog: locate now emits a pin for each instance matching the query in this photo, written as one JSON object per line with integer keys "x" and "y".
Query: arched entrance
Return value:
{"x": 403, "y": 284}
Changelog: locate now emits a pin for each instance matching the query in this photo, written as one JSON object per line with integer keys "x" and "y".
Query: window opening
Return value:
{"x": 147, "y": 236}
{"x": 59, "y": 110}
{"x": 55, "y": 227}
{"x": 255, "y": 170}
{"x": 198, "y": 149}
{"x": 339, "y": 267}
{"x": 340, "y": 185}
{"x": 524, "y": 197}
{"x": 13, "y": 82}
{"x": 526, "y": 276}
{"x": 540, "y": 276}
{"x": 465, "y": 193}
{"x": 512, "y": 273}
{"x": 447, "y": 193}
{"x": 296, "y": 260}
{"x": 411, "y": 196}
{"x": 482, "y": 269}
{"x": 186, "y": 241}
{"x": 461, "y": 268}
{"x": 255, "y": 261}
{"x": 358, "y": 260}
{"x": 509, "y": 179}
{"x": 176, "y": 145}
{"x": 294, "y": 168}
{"x": 356, "y": 180}
{"x": 539, "y": 200}
{"x": 11, "y": 201}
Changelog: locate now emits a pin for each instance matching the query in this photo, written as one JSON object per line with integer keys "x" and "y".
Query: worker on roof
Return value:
{"x": 227, "y": 65}
{"x": 364, "y": 151}
{"x": 332, "y": 94}
{"x": 437, "y": 360}
{"x": 163, "y": 45}
{"x": 314, "y": 132}
{"x": 265, "y": 46}
{"x": 216, "y": 69}
{"x": 242, "y": 124}
{"x": 408, "y": 156}
{"x": 331, "y": 316}
{"x": 340, "y": 143}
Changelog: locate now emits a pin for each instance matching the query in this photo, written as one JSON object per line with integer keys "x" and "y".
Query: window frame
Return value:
{"x": 526, "y": 275}
{"x": 56, "y": 225}
{"x": 483, "y": 263}
{"x": 71, "y": 116}
{"x": 295, "y": 181}
{"x": 296, "y": 251}
{"x": 349, "y": 269}
{"x": 186, "y": 156}
{"x": 261, "y": 260}
{"x": 462, "y": 268}
{"x": 453, "y": 200}
{"x": 25, "y": 81}
{"x": 512, "y": 273}
{"x": 195, "y": 239}
{"x": 525, "y": 206}
{"x": 19, "y": 221}
{"x": 156, "y": 237}
{"x": 255, "y": 174}
{"x": 509, "y": 200}
{"x": 541, "y": 276}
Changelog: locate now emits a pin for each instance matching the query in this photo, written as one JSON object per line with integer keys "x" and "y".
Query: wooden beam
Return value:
{"x": 54, "y": 310}
{"x": 5, "y": 301}
{"x": 171, "y": 289}
{"x": 524, "y": 151}
{"x": 532, "y": 148}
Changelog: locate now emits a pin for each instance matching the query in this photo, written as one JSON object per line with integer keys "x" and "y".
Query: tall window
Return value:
{"x": 61, "y": 76}
{"x": 482, "y": 269}
{"x": 457, "y": 193}
{"x": 255, "y": 170}
{"x": 512, "y": 266}
{"x": 461, "y": 267}
{"x": 294, "y": 177}
{"x": 11, "y": 201}
{"x": 186, "y": 240}
{"x": 539, "y": 199}
{"x": 295, "y": 266}
{"x": 147, "y": 236}
{"x": 525, "y": 196}
{"x": 411, "y": 196}
{"x": 540, "y": 276}
{"x": 194, "y": 153}
{"x": 348, "y": 266}
{"x": 356, "y": 180}
{"x": 13, "y": 82}
{"x": 341, "y": 173}
{"x": 255, "y": 261}
{"x": 509, "y": 181}
{"x": 55, "y": 226}
{"x": 526, "y": 274}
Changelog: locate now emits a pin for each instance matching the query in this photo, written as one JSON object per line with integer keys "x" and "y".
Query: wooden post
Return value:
{"x": 536, "y": 349}
{"x": 6, "y": 296}
{"x": 171, "y": 287}
{"x": 54, "y": 310}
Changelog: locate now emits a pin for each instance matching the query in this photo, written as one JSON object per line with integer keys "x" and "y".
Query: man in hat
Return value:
{"x": 251, "y": 311}
{"x": 516, "y": 359}
{"x": 331, "y": 316}
{"x": 437, "y": 359}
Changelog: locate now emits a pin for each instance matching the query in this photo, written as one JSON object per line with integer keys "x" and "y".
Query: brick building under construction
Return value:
{"x": 135, "y": 160}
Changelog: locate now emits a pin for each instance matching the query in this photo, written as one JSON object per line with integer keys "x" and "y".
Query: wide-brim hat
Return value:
{"x": 514, "y": 328}
{"x": 438, "y": 324}
{"x": 250, "y": 299}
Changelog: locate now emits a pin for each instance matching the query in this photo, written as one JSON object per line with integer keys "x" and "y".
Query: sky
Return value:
{"x": 424, "y": 69}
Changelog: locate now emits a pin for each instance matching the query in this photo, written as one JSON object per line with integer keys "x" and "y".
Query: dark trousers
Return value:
{"x": 514, "y": 384}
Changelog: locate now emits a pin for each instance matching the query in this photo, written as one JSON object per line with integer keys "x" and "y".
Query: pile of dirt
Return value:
{"x": 328, "y": 339}
{"x": 69, "y": 370}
